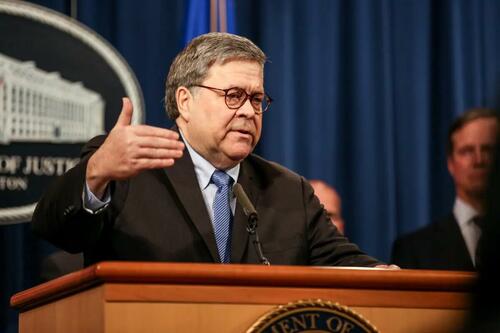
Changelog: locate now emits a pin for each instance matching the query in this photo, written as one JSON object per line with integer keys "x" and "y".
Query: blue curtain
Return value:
{"x": 364, "y": 92}
{"x": 198, "y": 21}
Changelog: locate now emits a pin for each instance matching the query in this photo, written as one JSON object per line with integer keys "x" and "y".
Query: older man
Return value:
{"x": 139, "y": 195}
{"x": 451, "y": 243}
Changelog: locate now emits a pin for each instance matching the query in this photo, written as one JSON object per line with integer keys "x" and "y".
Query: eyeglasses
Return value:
{"x": 235, "y": 98}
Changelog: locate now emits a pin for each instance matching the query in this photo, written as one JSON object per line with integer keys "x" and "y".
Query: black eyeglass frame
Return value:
{"x": 268, "y": 98}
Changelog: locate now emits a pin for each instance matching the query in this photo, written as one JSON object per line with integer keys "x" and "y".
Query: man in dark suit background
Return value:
{"x": 451, "y": 243}
{"x": 137, "y": 194}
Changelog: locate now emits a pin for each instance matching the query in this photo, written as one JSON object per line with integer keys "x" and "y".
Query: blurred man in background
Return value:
{"x": 331, "y": 201}
{"x": 451, "y": 243}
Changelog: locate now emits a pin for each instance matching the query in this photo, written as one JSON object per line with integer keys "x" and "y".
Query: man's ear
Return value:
{"x": 184, "y": 99}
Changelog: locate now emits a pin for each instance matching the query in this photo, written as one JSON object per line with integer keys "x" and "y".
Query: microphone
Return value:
{"x": 253, "y": 217}
{"x": 247, "y": 206}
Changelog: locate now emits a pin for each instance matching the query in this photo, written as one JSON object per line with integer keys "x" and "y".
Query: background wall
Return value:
{"x": 364, "y": 93}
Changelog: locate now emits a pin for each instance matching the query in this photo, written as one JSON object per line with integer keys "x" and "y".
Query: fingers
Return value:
{"x": 158, "y": 153}
{"x": 390, "y": 267}
{"x": 129, "y": 149}
{"x": 157, "y": 142}
{"x": 145, "y": 130}
{"x": 125, "y": 117}
{"x": 147, "y": 163}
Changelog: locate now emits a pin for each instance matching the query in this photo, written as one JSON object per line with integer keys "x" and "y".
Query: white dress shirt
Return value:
{"x": 204, "y": 171}
{"x": 464, "y": 214}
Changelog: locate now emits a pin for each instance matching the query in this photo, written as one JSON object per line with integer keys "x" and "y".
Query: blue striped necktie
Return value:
{"x": 222, "y": 214}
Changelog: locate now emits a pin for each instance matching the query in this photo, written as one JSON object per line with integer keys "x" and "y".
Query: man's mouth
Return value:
{"x": 244, "y": 132}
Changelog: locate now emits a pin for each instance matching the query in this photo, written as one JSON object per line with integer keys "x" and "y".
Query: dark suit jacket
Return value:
{"x": 60, "y": 263}
{"x": 439, "y": 245}
{"x": 160, "y": 215}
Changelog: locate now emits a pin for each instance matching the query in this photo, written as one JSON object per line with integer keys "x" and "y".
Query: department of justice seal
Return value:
{"x": 312, "y": 316}
{"x": 60, "y": 85}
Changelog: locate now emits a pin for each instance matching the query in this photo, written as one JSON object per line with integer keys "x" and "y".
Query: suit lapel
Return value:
{"x": 459, "y": 254}
{"x": 239, "y": 239}
{"x": 183, "y": 179}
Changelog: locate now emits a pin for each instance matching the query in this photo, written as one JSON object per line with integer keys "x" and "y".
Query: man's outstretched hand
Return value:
{"x": 129, "y": 149}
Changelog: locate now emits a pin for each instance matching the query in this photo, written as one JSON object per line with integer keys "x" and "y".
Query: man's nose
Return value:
{"x": 246, "y": 110}
{"x": 481, "y": 157}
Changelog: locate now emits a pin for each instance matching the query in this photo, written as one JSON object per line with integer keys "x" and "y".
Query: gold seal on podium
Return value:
{"x": 312, "y": 316}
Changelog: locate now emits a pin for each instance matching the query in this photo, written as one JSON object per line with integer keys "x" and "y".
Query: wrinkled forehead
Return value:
{"x": 241, "y": 72}
{"x": 221, "y": 61}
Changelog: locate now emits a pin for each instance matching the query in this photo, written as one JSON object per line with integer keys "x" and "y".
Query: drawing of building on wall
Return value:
{"x": 38, "y": 106}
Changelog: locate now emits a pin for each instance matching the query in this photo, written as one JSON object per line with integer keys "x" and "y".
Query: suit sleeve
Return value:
{"x": 59, "y": 216}
{"x": 327, "y": 246}
{"x": 402, "y": 254}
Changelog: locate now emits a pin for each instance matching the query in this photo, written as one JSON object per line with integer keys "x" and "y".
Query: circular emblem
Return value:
{"x": 60, "y": 85}
{"x": 312, "y": 316}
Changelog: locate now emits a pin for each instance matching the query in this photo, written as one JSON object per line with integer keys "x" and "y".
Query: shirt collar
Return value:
{"x": 204, "y": 169}
{"x": 464, "y": 213}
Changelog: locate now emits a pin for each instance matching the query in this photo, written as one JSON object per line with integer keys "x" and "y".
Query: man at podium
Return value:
{"x": 152, "y": 194}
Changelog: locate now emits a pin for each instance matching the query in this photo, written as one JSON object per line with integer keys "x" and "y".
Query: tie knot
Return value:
{"x": 221, "y": 179}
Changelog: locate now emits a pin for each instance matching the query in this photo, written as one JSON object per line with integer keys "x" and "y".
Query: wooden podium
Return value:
{"x": 163, "y": 297}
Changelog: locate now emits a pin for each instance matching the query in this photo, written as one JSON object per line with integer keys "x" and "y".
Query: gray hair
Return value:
{"x": 191, "y": 65}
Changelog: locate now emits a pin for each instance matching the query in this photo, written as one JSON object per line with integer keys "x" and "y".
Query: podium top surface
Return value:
{"x": 245, "y": 275}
